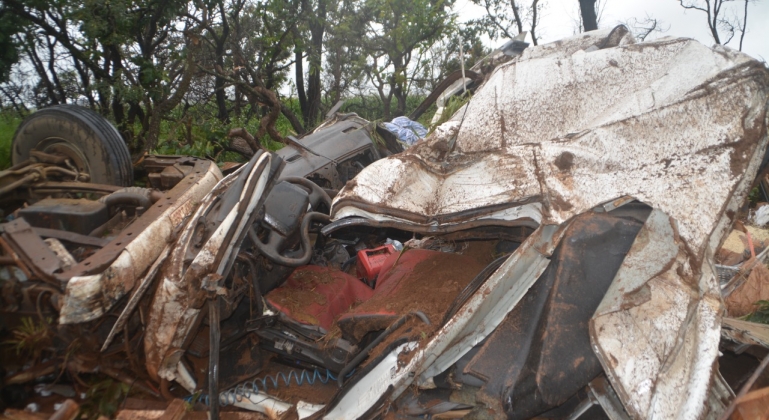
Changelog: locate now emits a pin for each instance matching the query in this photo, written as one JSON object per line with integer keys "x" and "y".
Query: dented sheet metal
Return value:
{"x": 181, "y": 294}
{"x": 572, "y": 126}
{"x": 655, "y": 332}
{"x": 652, "y": 121}
{"x": 87, "y": 297}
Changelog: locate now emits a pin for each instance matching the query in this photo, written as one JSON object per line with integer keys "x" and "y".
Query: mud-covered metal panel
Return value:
{"x": 87, "y": 297}
{"x": 655, "y": 332}
{"x": 180, "y": 295}
{"x": 647, "y": 120}
{"x": 578, "y": 124}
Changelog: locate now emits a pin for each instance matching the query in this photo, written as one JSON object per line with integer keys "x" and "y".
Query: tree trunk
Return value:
{"x": 589, "y": 18}
{"x": 317, "y": 30}
{"x": 292, "y": 118}
{"x": 221, "y": 96}
{"x": 299, "y": 76}
{"x": 398, "y": 86}
{"x": 336, "y": 89}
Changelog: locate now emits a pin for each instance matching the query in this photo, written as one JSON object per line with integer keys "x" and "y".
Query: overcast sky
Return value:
{"x": 560, "y": 17}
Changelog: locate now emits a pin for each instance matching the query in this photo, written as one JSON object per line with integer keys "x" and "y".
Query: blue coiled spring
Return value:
{"x": 249, "y": 388}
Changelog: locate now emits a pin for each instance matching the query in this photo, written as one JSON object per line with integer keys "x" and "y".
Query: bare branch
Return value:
{"x": 744, "y": 24}
{"x": 642, "y": 28}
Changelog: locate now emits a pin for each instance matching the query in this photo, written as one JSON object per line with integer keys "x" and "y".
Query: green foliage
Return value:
{"x": 9, "y": 53}
{"x": 31, "y": 339}
{"x": 103, "y": 399}
{"x": 761, "y": 314}
{"x": 755, "y": 195}
{"x": 454, "y": 105}
{"x": 394, "y": 36}
{"x": 199, "y": 133}
{"x": 127, "y": 59}
{"x": 371, "y": 107}
{"x": 8, "y": 124}
{"x": 202, "y": 138}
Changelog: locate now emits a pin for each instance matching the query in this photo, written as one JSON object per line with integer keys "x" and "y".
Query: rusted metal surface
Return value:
{"x": 32, "y": 250}
{"x": 173, "y": 209}
{"x": 97, "y": 282}
{"x": 78, "y": 216}
{"x": 51, "y": 186}
{"x": 72, "y": 237}
{"x": 12, "y": 258}
{"x": 573, "y": 126}
{"x": 26, "y": 175}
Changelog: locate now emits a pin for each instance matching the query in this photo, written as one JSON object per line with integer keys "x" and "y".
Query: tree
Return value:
{"x": 508, "y": 19}
{"x": 723, "y": 21}
{"x": 261, "y": 42}
{"x": 9, "y": 48}
{"x": 132, "y": 58}
{"x": 744, "y": 24}
{"x": 314, "y": 17}
{"x": 342, "y": 52}
{"x": 394, "y": 35}
{"x": 147, "y": 64}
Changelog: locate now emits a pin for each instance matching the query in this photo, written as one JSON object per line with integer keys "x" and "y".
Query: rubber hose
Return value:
{"x": 136, "y": 196}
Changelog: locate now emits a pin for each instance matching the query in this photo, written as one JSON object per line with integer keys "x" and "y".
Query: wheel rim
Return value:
{"x": 61, "y": 147}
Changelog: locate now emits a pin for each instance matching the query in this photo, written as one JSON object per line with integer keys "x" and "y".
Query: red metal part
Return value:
{"x": 370, "y": 262}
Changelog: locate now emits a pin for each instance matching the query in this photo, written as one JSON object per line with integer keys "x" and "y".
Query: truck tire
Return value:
{"x": 88, "y": 139}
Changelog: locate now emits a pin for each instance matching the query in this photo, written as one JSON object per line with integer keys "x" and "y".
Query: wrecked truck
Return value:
{"x": 548, "y": 252}
{"x": 78, "y": 234}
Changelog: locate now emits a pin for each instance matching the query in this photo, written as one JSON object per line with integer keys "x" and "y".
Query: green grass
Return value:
{"x": 8, "y": 126}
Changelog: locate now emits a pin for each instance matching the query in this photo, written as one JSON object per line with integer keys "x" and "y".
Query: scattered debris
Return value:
{"x": 745, "y": 299}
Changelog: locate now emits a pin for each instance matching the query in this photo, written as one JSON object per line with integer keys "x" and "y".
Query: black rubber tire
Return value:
{"x": 94, "y": 144}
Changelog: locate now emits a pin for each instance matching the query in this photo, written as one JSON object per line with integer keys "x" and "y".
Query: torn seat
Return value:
{"x": 315, "y": 299}
{"x": 413, "y": 280}
{"x": 307, "y": 304}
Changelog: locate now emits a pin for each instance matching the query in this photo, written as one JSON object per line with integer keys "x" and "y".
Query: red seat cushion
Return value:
{"x": 415, "y": 280}
{"x": 318, "y": 295}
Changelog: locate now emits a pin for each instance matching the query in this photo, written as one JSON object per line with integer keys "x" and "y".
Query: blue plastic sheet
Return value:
{"x": 406, "y": 130}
